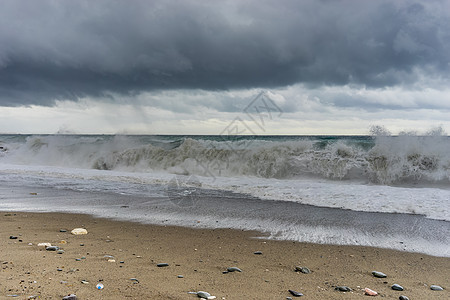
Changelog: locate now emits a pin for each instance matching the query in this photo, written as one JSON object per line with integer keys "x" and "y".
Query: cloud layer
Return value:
{"x": 68, "y": 50}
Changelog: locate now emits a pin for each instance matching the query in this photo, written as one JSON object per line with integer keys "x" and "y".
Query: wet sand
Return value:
{"x": 200, "y": 256}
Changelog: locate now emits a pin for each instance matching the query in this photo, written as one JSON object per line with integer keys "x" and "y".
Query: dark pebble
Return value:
{"x": 403, "y": 298}
{"x": 295, "y": 294}
{"x": 379, "y": 274}
{"x": 303, "y": 270}
{"x": 343, "y": 289}
{"x": 162, "y": 265}
{"x": 70, "y": 297}
{"x": 52, "y": 248}
{"x": 12, "y": 237}
{"x": 397, "y": 287}
{"x": 62, "y": 230}
{"x": 257, "y": 252}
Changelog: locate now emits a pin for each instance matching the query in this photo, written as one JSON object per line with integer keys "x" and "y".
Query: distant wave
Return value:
{"x": 382, "y": 159}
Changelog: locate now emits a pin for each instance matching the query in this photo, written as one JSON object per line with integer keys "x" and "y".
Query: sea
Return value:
{"x": 378, "y": 190}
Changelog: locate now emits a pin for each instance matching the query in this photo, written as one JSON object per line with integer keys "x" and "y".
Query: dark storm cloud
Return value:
{"x": 70, "y": 49}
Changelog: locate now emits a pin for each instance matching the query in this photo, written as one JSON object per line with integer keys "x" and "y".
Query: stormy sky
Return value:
{"x": 186, "y": 66}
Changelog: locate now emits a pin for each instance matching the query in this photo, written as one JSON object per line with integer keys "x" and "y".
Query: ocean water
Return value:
{"x": 383, "y": 191}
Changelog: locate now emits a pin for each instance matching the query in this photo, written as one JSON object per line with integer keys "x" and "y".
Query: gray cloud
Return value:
{"x": 70, "y": 49}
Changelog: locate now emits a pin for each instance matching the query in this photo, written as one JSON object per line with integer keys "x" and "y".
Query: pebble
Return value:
{"x": 202, "y": 294}
{"x": 303, "y": 270}
{"x": 257, "y": 252}
{"x": 379, "y": 274}
{"x": 397, "y": 287}
{"x": 370, "y": 292}
{"x": 343, "y": 288}
{"x": 436, "y": 288}
{"x": 295, "y": 294}
{"x": 84, "y": 282}
{"x": 44, "y": 245}
{"x": 52, "y": 248}
{"x": 79, "y": 231}
{"x": 180, "y": 276}
{"x": 62, "y": 230}
{"x": 60, "y": 251}
{"x": 160, "y": 265}
{"x": 403, "y": 298}
{"x": 12, "y": 237}
{"x": 70, "y": 297}
{"x": 234, "y": 269}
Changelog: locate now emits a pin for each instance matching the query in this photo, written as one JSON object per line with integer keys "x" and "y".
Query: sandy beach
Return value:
{"x": 123, "y": 256}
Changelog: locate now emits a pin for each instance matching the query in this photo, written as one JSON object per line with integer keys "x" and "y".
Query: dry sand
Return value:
{"x": 200, "y": 256}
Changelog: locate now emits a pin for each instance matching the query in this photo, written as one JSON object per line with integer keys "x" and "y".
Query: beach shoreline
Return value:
{"x": 115, "y": 252}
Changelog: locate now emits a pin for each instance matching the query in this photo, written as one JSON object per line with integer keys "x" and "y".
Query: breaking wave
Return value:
{"x": 380, "y": 159}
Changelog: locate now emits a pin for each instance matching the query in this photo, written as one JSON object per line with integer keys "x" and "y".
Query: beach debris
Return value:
{"x": 234, "y": 269}
{"x": 70, "y": 297}
{"x": 34, "y": 194}
{"x": 99, "y": 286}
{"x": 303, "y": 270}
{"x": 370, "y": 292}
{"x": 60, "y": 251}
{"x": 343, "y": 288}
{"x": 379, "y": 274}
{"x": 397, "y": 287}
{"x": 203, "y": 294}
{"x": 436, "y": 287}
{"x": 161, "y": 265}
{"x": 257, "y": 252}
{"x": 52, "y": 248}
{"x": 44, "y": 245}
{"x": 295, "y": 294}
{"x": 403, "y": 298}
{"x": 135, "y": 280}
{"x": 79, "y": 231}
{"x": 13, "y": 237}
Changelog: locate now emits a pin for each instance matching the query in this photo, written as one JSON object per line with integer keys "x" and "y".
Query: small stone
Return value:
{"x": 370, "y": 292}
{"x": 161, "y": 265}
{"x": 60, "y": 251}
{"x": 12, "y": 237}
{"x": 44, "y": 245}
{"x": 180, "y": 276}
{"x": 343, "y": 288}
{"x": 379, "y": 274}
{"x": 111, "y": 260}
{"x": 79, "y": 231}
{"x": 397, "y": 287}
{"x": 59, "y": 270}
{"x": 52, "y": 248}
{"x": 257, "y": 252}
{"x": 70, "y": 297}
{"x": 288, "y": 298}
{"x": 84, "y": 282}
{"x": 403, "y": 298}
{"x": 234, "y": 269}
{"x": 303, "y": 270}
{"x": 78, "y": 259}
{"x": 135, "y": 280}
{"x": 436, "y": 288}
{"x": 62, "y": 230}
{"x": 295, "y": 294}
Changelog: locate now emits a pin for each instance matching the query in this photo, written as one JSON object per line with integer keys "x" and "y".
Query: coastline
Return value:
{"x": 200, "y": 256}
